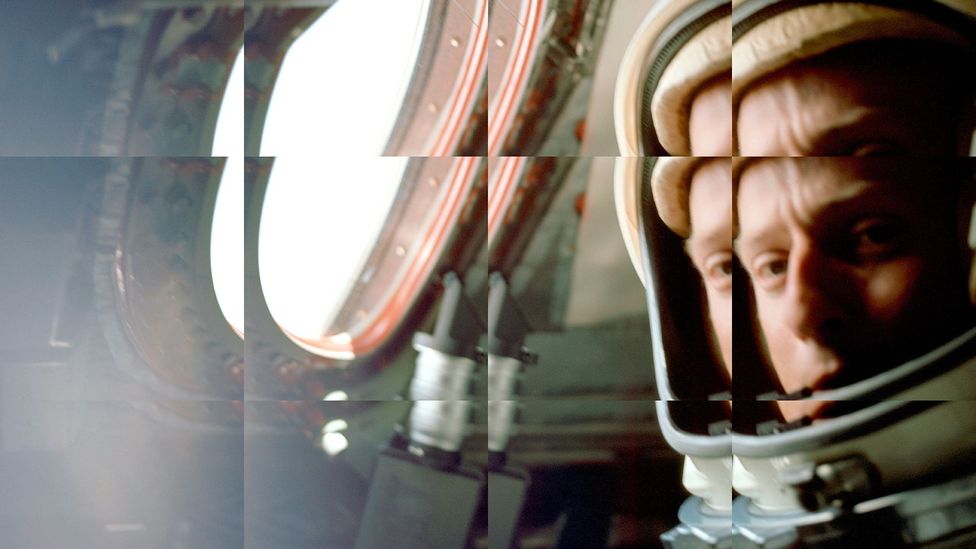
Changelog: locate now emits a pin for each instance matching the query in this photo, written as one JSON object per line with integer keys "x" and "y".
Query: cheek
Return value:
{"x": 890, "y": 292}
{"x": 768, "y": 313}
{"x": 782, "y": 348}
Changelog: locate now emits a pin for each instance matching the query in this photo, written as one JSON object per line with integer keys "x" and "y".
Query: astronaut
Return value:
{"x": 852, "y": 311}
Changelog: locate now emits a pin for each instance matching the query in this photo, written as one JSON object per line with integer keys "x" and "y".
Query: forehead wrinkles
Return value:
{"x": 807, "y": 107}
{"x": 786, "y": 95}
{"x": 802, "y": 99}
{"x": 826, "y": 103}
{"x": 779, "y": 96}
{"x": 805, "y": 187}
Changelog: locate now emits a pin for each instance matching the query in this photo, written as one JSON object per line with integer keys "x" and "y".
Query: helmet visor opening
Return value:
{"x": 691, "y": 362}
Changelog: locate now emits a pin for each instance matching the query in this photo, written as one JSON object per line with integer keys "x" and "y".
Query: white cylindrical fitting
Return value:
{"x": 440, "y": 376}
{"x": 502, "y": 375}
{"x": 440, "y": 391}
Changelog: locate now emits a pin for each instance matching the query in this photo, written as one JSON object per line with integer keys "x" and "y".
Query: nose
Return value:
{"x": 815, "y": 285}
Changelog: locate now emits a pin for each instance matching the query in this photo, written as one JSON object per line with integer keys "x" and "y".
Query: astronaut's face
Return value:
{"x": 847, "y": 104}
{"x": 710, "y": 245}
{"x": 854, "y": 263}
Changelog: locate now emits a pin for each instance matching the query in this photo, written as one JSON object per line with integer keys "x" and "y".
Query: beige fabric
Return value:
{"x": 670, "y": 185}
{"x": 805, "y": 32}
{"x": 704, "y": 57}
{"x": 627, "y": 91}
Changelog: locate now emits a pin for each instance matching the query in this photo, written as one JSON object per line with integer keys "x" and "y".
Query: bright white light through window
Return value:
{"x": 342, "y": 82}
{"x": 334, "y": 443}
{"x": 227, "y": 235}
{"x": 320, "y": 220}
{"x": 336, "y": 395}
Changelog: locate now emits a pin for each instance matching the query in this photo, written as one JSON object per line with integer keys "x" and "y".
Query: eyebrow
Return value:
{"x": 871, "y": 194}
{"x": 839, "y": 139}
{"x": 741, "y": 245}
{"x": 707, "y": 241}
{"x": 844, "y": 134}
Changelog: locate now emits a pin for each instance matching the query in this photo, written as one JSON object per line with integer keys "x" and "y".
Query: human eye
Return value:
{"x": 769, "y": 270}
{"x": 718, "y": 270}
{"x": 875, "y": 239}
